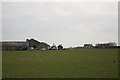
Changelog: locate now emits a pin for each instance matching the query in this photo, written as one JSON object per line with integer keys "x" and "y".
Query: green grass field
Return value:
{"x": 73, "y": 63}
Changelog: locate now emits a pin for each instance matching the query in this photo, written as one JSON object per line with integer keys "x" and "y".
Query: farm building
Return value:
{"x": 88, "y": 46}
{"x": 34, "y": 44}
{"x": 24, "y": 45}
{"x": 106, "y": 45}
{"x": 14, "y": 45}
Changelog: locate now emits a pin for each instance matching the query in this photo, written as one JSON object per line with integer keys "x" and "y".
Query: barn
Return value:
{"x": 14, "y": 45}
{"x": 24, "y": 45}
{"x": 36, "y": 45}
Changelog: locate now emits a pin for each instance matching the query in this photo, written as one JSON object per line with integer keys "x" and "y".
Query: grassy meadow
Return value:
{"x": 72, "y": 63}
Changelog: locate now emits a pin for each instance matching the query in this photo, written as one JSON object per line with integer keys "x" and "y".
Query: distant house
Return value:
{"x": 106, "y": 45}
{"x": 88, "y": 46}
{"x": 36, "y": 45}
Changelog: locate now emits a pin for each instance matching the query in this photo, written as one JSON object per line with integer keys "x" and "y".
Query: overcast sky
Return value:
{"x": 67, "y": 23}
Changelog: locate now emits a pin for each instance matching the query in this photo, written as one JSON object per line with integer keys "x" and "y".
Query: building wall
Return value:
{"x": 12, "y": 45}
{"x": 8, "y": 48}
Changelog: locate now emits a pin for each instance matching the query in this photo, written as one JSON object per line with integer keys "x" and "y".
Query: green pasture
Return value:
{"x": 72, "y": 63}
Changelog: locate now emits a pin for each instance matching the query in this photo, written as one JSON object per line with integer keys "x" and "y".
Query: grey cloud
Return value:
{"x": 68, "y": 23}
